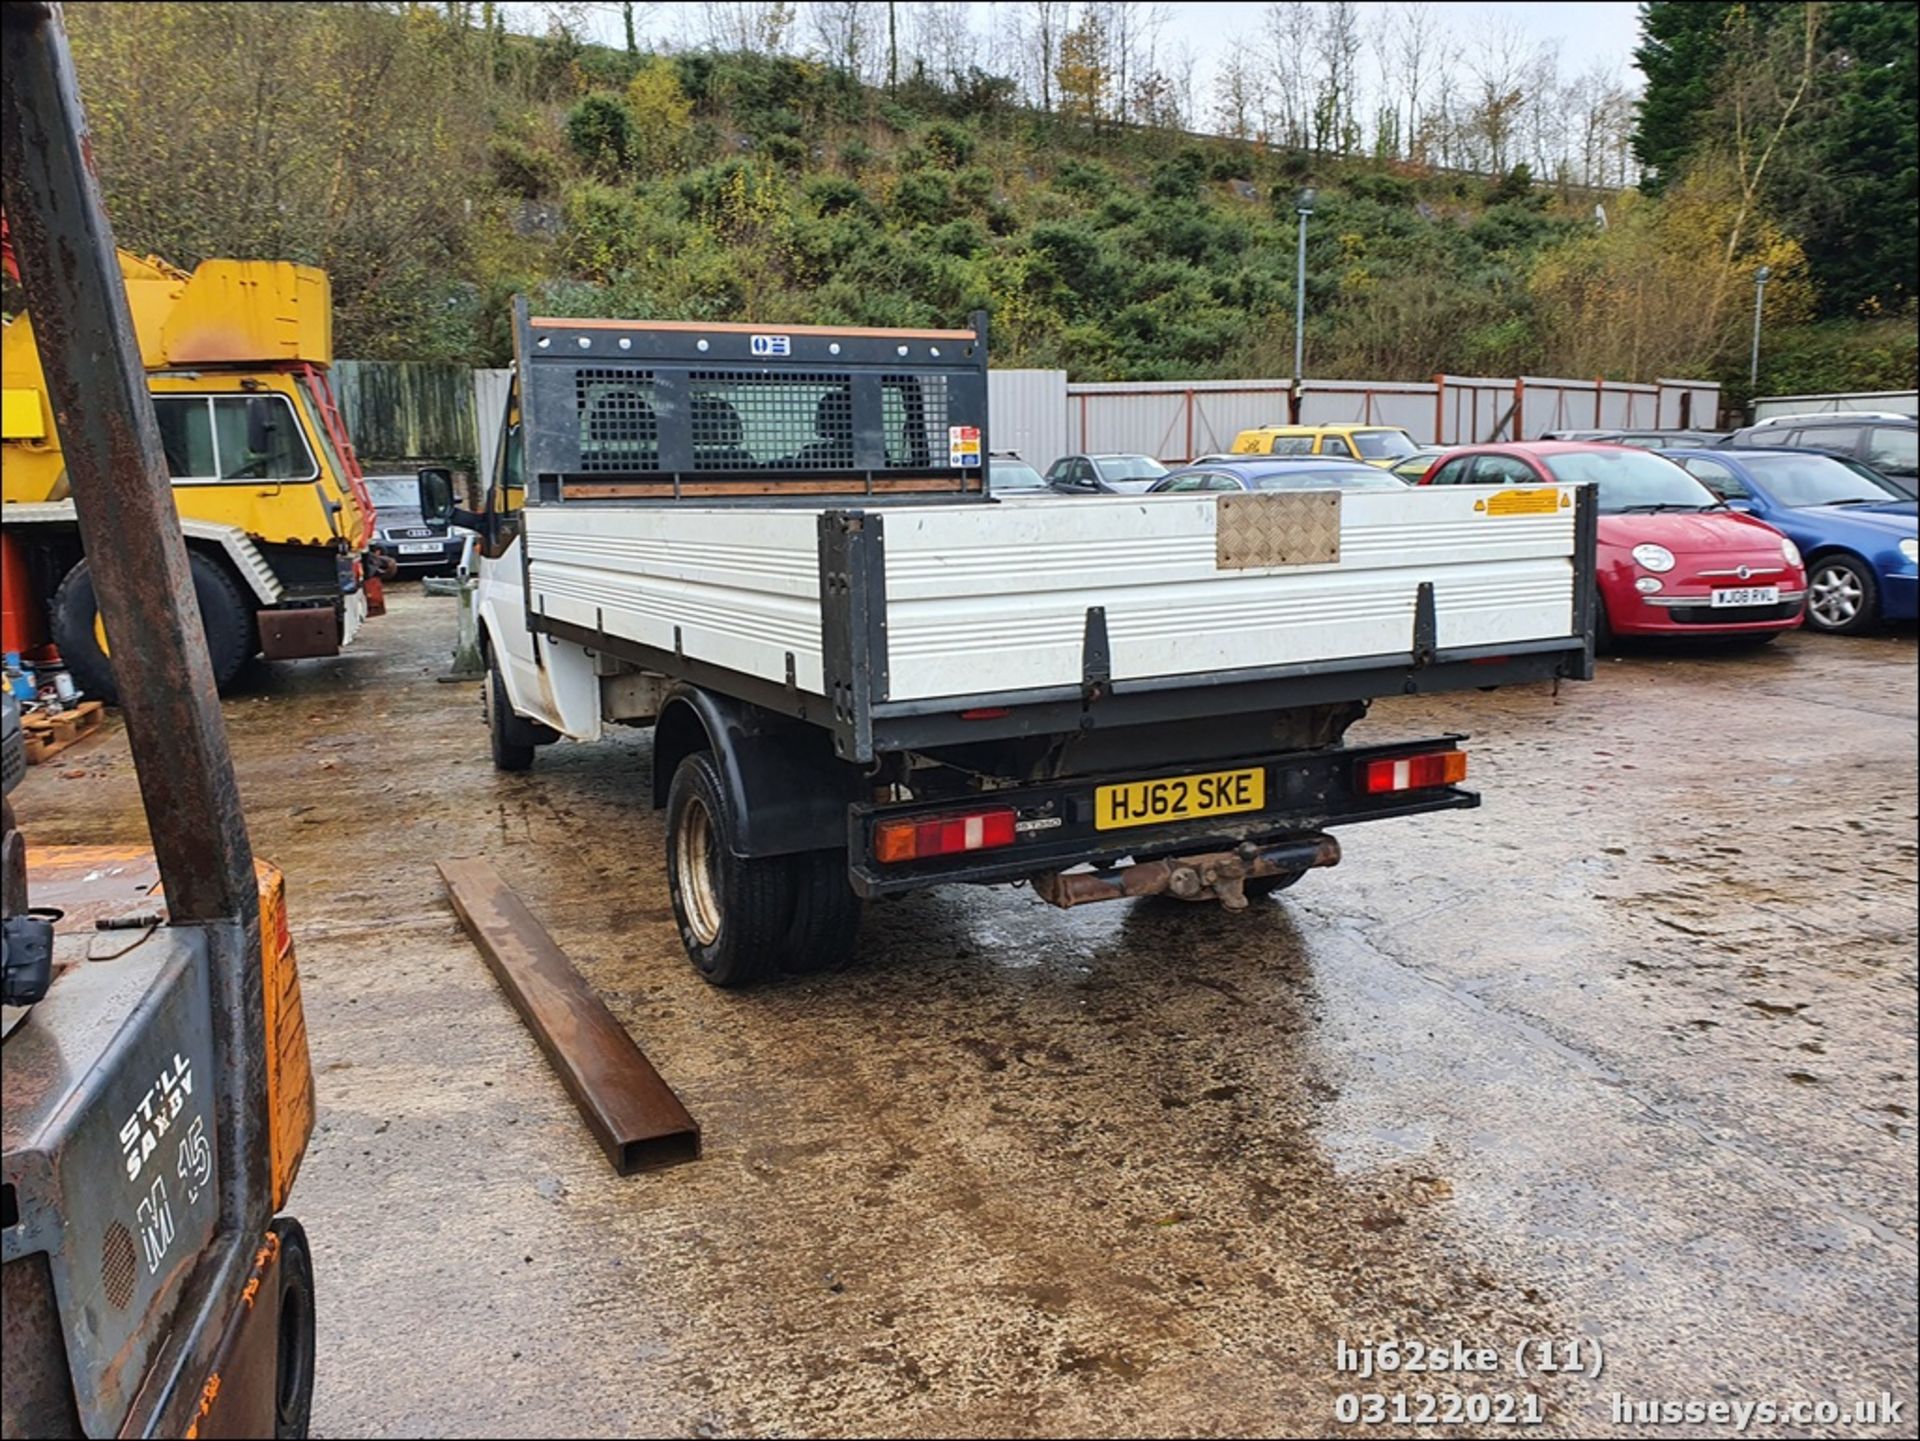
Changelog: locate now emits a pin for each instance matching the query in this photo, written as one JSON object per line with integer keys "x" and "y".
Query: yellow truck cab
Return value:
{"x": 270, "y": 498}
{"x": 1380, "y": 445}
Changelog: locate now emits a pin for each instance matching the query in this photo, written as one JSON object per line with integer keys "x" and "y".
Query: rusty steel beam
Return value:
{"x": 123, "y": 498}
{"x": 635, "y": 1115}
{"x": 1217, "y": 875}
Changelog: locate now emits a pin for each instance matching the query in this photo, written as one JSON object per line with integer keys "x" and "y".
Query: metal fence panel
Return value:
{"x": 1027, "y": 412}
{"x": 1902, "y": 402}
{"x": 1474, "y": 409}
{"x": 1409, "y": 405}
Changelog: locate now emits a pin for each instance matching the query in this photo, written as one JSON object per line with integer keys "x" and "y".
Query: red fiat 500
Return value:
{"x": 1673, "y": 559}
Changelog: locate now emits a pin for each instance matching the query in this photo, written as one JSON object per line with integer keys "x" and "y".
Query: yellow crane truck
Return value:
{"x": 276, "y": 516}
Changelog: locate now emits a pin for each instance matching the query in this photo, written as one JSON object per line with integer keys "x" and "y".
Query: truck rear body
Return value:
{"x": 786, "y": 531}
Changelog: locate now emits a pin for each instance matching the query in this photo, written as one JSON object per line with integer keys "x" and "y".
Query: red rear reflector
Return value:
{"x": 985, "y": 712}
{"x": 1412, "y": 773}
{"x": 916, "y": 838}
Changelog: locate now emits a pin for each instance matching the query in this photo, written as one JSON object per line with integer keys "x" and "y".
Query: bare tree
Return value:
{"x": 1415, "y": 53}
{"x": 1288, "y": 30}
{"x": 942, "y": 39}
{"x": 1236, "y": 93}
{"x": 1180, "y": 67}
{"x": 1497, "y": 61}
{"x": 841, "y": 31}
{"x": 760, "y": 27}
{"x": 1336, "y": 51}
{"x": 1036, "y": 29}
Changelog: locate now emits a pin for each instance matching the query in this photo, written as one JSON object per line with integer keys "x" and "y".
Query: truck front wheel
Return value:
{"x": 508, "y": 736}
{"x": 746, "y": 919}
{"x": 74, "y": 623}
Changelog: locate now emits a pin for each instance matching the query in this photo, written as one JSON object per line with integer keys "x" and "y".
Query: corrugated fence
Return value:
{"x": 403, "y": 412}
{"x": 1178, "y": 420}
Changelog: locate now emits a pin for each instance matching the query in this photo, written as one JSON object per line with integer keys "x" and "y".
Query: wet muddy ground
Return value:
{"x": 1625, "y": 1057}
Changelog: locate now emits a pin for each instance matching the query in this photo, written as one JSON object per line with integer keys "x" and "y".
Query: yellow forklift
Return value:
{"x": 155, "y": 1091}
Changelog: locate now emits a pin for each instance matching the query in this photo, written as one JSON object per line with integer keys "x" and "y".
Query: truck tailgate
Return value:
{"x": 976, "y": 599}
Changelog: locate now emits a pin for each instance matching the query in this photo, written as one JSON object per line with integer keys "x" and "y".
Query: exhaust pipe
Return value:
{"x": 1216, "y": 875}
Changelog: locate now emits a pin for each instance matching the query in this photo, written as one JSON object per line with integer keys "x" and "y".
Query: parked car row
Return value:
{"x": 1741, "y": 535}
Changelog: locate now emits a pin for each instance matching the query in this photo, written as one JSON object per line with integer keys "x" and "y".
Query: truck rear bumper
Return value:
{"x": 1056, "y": 826}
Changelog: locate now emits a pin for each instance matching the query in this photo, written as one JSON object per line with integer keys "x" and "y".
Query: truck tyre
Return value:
{"x": 73, "y": 617}
{"x": 736, "y": 915}
{"x": 826, "y": 914}
{"x": 507, "y": 734}
{"x": 293, "y": 1364}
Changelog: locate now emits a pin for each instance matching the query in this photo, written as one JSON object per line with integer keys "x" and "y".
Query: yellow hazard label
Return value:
{"x": 1535, "y": 500}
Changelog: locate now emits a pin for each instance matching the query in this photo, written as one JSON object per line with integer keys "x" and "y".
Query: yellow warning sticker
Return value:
{"x": 1535, "y": 500}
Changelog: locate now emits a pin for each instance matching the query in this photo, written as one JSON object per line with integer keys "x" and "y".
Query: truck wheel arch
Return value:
{"x": 784, "y": 788}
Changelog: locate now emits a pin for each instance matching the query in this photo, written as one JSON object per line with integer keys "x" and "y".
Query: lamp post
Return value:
{"x": 1303, "y": 206}
{"x": 1760, "y": 279}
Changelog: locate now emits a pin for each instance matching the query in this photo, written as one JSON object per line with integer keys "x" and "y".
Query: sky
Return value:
{"x": 1587, "y": 34}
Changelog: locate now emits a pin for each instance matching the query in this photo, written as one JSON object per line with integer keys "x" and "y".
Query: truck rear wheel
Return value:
{"x": 826, "y": 914}
{"x": 74, "y": 624}
{"x": 748, "y": 919}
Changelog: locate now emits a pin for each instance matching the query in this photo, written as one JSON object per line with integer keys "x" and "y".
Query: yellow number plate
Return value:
{"x": 1178, "y": 798}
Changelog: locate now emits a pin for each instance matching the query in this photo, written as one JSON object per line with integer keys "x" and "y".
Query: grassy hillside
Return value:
{"x": 783, "y": 193}
{"x": 436, "y": 167}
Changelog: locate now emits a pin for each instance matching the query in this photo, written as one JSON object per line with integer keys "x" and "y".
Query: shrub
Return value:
{"x": 659, "y": 116}
{"x": 963, "y": 238}
{"x": 836, "y": 195}
{"x": 520, "y": 169}
{"x": 1180, "y": 177}
{"x": 950, "y": 146}
{"x": 856, "y": 155}
{"x": 922, "y": 198}
{"x": 974, "y": 186}
{"x": 1382, "y": 189}
{"x": 786, "y": 152}
{"x": 600, "y": 134}
{"x": 1085, "y": 178}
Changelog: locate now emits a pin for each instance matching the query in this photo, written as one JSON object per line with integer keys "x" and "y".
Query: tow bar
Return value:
{"x": 1216, "y": 875}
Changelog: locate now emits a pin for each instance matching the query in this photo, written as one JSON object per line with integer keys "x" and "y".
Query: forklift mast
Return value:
{"x": 139, "y": 1166}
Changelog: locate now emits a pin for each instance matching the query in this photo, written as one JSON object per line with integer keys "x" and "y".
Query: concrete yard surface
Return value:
{"x": 1624, "y": 1058}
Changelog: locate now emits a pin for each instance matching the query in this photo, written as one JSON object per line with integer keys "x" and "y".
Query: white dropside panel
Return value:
{"x": 742, "y": 586}
{"x": 989, "y": 599}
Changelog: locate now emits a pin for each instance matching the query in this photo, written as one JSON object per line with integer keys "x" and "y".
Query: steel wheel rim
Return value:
{"x": 1836, "y": 596}
{"x": 693, "y": 869}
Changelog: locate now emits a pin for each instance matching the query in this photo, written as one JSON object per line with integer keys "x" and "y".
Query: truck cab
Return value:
{"x": 264, "y": 477}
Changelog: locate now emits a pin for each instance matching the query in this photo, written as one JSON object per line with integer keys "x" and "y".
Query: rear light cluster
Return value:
{"x": 918, "y": 837}
{"x": 1412, "y": 773}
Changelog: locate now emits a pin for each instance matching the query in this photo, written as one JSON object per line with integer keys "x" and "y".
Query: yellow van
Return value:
{"x": 1380, "y": 445}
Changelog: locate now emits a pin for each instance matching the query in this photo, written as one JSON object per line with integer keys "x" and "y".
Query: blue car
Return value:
{"x": 1277, "y": 472}
{"x": 1856, "y": 530}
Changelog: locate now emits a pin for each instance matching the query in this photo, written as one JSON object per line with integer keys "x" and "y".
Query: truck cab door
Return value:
{"x": 500, "y": 593}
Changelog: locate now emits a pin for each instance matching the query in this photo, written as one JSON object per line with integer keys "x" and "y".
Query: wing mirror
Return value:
{"x": 436, "y": 495}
